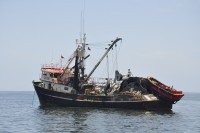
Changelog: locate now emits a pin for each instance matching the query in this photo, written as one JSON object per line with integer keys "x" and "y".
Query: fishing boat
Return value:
{"x": 70, "y": 86}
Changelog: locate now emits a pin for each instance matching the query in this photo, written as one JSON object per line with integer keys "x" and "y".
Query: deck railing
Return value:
{"x": 52, "y": 66}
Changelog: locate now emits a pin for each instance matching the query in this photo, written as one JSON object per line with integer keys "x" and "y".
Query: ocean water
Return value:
{"x": 20, "y": 113}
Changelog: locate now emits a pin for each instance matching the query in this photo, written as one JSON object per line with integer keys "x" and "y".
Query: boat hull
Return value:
{"x": 50, "y": 97}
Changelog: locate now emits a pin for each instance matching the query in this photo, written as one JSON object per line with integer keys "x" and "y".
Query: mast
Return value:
{"x": 81, "y": 44}
{"x": 79, "y": 60}
{"x": 76, "y": 75}
{"x": 83, "y": 58}
{"x": 113, "y": 43}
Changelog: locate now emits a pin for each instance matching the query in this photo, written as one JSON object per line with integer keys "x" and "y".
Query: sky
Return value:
{"x": 159, "y": 38}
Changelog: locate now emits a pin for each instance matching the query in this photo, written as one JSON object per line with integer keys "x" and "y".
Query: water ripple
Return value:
{"x": 18, "y": 115}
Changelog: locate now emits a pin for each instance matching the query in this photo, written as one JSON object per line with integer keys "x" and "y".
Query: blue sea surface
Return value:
{"x": 20, "y": 112}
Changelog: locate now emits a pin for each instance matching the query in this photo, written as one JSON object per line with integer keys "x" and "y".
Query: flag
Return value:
{"x": 62, "y": 57}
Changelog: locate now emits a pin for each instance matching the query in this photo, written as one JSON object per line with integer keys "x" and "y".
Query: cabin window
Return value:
{"x": 51, "y": 75}
{"x": 56, "y": 75}
{"x": 66, "y": 88}
{"x": 44, "y": 73}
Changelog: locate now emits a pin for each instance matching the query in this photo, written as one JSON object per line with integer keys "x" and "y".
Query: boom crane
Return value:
{"x": 113, "y": 43}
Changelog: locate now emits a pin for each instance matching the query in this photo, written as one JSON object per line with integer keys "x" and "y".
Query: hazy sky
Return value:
{"x": 160, "y": 38}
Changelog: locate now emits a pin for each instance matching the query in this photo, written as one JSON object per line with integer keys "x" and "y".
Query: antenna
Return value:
{"x": 84, "y": 17}
{"x": 82, "y": 26}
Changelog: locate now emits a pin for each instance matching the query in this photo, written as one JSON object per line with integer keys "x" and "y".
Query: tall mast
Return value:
{"x": 81, "y": 48}
{"x": 113, "y": 43}
{"x": 83, "y": 58}
{"x": 76, "y": 73}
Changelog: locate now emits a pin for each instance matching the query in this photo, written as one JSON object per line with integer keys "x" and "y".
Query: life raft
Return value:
{"x": 163, "y": 91}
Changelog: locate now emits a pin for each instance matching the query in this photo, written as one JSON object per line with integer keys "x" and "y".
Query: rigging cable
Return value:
{"x": 116, "y": 60}
{"x": 116, "y": 56}
{"x": 107, "y": 66}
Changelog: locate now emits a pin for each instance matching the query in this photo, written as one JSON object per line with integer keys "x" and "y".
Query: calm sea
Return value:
{"x": 20, "y": 113}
